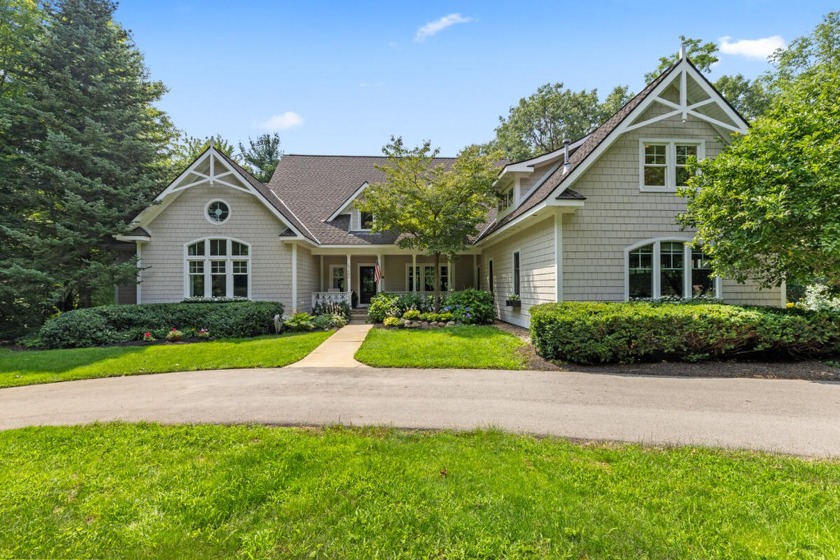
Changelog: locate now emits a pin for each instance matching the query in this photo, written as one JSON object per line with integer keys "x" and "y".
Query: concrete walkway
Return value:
{"x": 338, "y": 350}
{"x": 798, "y": 417}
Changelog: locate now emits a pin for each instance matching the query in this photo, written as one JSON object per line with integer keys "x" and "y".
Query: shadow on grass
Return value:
{"x": 23, "y": 362}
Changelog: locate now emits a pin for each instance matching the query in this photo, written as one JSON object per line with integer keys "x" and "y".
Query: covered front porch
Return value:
{"x": 365, "y": 272}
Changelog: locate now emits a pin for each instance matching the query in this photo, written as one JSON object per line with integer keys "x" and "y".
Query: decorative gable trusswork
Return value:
{"x": 215, "y": 169}
{"x": 681, "y": 91}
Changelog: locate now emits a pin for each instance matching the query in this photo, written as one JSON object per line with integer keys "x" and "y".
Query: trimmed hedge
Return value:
{"x": 110, "y": 324}
{"x": 590, "y": 333}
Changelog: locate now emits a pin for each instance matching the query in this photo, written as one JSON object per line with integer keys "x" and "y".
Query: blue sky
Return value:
{"x": 340, "y": 78}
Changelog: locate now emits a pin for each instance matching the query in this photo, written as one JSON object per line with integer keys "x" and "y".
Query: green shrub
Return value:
{"x": 322, "y": 322}
{"x": 112, "y": 324}
{"x": 338, "y": 320}
{"x": 392, "y": 322}
{"x": 629, "y": 332}
{"x": 300, "y": 322}
{"x": 383, "y": 305}
{"x": 412, "y": 315}
{"x": 470, "y": 307}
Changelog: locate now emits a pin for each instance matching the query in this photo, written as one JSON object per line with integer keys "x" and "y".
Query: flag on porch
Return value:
{"x": 377, "y": 274}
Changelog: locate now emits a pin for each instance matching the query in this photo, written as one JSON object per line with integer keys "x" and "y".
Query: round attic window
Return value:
{"x": 217, "y": 211}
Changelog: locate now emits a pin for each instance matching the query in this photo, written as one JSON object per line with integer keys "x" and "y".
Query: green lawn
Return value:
{"x": 45, "y": 366}
{"x": 451, "y": 347}
{"x": 130, "y": 491}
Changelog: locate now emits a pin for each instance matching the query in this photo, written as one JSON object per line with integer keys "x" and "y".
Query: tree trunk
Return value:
{"x": 437, "y": 282}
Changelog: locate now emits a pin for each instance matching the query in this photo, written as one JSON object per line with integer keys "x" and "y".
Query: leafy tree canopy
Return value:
{"x": 768, "y": 207}
{"x": 702, "y": 55}
{"x": 436, "y": 208}
{"x": 262, "y": 155}
{"x": 540, "y": 122}
{"x": 185, "y": 149}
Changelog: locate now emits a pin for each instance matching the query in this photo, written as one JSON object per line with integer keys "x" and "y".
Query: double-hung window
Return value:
{"x": 218, "y": 268}
{"x": 663, "y": 163}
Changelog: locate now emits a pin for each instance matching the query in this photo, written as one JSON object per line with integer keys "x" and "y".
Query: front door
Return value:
{"x": 367, "y": 285}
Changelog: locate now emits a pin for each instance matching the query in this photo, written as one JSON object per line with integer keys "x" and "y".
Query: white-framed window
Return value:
{"x": 668, "y": 268}
{"x": 365, "y": 221}
{"x": 217, "y": 267}
{"x": 338, "y": 277}
{"x": 425, "y": 276}
{"x": 517, "y": 280}
{"x": 217, "y": 211}
{"x": 662, "y": 163}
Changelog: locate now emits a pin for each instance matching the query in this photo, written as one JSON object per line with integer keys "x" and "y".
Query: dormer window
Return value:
{"x": 365, "y": 221}
{"x": 505, "y": 200}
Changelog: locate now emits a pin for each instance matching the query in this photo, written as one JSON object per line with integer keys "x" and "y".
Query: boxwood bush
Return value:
{"x": 112, "y": 324}
{"x": 589, "y": 333}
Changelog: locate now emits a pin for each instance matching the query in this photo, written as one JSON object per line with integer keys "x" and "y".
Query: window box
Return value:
{"x": 513, "y": 302}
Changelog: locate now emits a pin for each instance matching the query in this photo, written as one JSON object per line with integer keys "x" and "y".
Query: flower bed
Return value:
{"x": 467, "y": 307}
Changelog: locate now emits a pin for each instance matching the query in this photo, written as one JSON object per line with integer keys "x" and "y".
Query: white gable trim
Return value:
{"x": 176, "y": 187}
{"x": 528, "y": 165}
{"x": 679, "y": 72}
{"x": 346, "y": 204}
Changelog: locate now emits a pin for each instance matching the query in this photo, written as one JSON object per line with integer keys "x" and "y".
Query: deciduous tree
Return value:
{"x": 768, "y": 207}
{"x": 436, "y": 208}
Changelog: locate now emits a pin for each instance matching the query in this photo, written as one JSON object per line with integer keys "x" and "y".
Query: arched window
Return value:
{"x": 668, "y": 268}
{"x": 218, "y": 267}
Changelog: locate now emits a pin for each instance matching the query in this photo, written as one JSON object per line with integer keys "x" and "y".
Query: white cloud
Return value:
{"x": 752, "y": 48}
{"x": 289, "y": 119}
{"x": 435, "y": 27}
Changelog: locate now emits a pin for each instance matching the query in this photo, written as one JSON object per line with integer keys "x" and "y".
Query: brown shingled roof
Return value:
{"x": 314, "y": 187}
{"x": 271, "y": 197}
{"x": 580, "y": 155}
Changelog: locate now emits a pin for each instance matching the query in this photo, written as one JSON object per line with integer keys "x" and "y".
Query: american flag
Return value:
{"x": 377, "y": 274}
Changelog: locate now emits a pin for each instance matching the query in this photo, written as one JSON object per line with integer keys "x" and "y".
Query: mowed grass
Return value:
{"x": 46, "y": 366}
{"x": 451, "y": 347}
{"x": 128, "y": 491}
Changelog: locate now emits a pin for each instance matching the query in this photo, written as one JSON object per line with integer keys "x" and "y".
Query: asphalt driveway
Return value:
{"x": 798, "y": 417}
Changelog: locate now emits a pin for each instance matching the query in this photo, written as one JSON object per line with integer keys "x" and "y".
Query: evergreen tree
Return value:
{"x": 82, "y": 152}
{"x": 262, "y": 155}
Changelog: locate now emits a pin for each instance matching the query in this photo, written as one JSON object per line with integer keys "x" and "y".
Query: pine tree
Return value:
{"x": 262, "y": 156}
{"x": 83, "y": 151}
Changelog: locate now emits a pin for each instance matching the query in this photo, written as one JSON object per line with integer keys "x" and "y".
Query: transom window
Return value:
{"x": 218, "y": 268}
{"x": 669, "y": 269}
{"x": 663, "y": 163}
{"x": 425, "y": 275}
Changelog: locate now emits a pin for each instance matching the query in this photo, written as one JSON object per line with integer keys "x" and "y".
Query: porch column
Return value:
{"x": 321, "y": 276}
{"x": 348, "y": 278}
{"x": 294, "y": 278}
{"x": 414, "y": 271}
{"x": 380, "y": 260}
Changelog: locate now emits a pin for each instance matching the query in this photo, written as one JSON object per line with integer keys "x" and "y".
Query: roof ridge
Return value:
{"x": 352, "y": 156}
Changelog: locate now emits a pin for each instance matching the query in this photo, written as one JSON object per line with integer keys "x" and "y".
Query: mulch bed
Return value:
{"x": 812, "y": 370}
